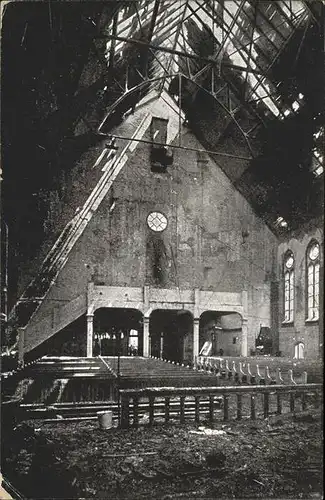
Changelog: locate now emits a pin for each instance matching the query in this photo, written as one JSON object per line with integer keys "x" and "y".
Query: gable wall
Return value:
{"x": 202, "y": 247}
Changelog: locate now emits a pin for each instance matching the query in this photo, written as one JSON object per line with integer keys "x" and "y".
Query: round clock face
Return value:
{"x": 157, "y": 221}
{"x": 314, "y": 252}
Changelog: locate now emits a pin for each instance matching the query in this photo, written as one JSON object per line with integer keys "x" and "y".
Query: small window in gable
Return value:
{"x": 289, "y": 287}
{"x": 312, "y": 281}
{"x": 160, "y": 156}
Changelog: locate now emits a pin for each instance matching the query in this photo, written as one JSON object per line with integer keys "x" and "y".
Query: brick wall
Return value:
{"x": 308, "y": 332}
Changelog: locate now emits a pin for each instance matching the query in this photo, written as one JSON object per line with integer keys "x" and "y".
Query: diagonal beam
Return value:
{"x": 183, "y": 54}
{"x": 273, "y": 62}
{"x": 310, "y": 10}
{"x": 181, "y": 21}
{"x": 113, "y": 41}
{"x": 283, "y": 14}
{"x": 175, "y": 146}
{"x": 250, "y": 48}
{"x": 256, "y": 4}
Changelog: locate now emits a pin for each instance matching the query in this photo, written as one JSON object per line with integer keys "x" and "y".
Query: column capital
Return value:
{"x": 146, "y": 319}
{"x": 196, "y": 320}
{"x": 89, "y": 316}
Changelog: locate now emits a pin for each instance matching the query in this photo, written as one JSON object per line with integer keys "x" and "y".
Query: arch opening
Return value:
{"x": 171, "y": 334}
{"x": 118, "y": 331}
{"x": 220, "y": 333}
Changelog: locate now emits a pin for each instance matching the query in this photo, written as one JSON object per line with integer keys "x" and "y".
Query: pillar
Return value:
{"x": 90, "y": 331}
{"x": 161, "y": 344}
{"x": 146, "y": 337}
{"x": 244, "y": 337}
{"x": 196, "y": 333}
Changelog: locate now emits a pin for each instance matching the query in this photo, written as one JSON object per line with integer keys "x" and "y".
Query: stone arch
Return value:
{"x": 118, "y": 330}
{"x": 220, "y": 333}
{"x": 171, "y": 334}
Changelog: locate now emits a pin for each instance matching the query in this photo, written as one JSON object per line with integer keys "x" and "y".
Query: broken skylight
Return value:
{"x": 245, "y": 34}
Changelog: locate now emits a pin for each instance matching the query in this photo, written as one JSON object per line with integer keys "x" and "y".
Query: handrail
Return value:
{"x": 159, "y": 394}
{"x": 171, "y": 391}
{"x": 110, "y": 369}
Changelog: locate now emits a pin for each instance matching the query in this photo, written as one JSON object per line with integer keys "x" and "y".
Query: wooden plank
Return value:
{"x": 181, "y": 409}
{"x": 167, "y": 406}
{"x": 279, "y": 403}
{"x": 197, "y": 409}
{"x": 253, "y": 407}
{"x": 206, "y": 391}
{"x": 125, "y": 411}
{"x": 225, "y": 407}
{"x": 239, "y": 407}
{"x": 211, "y": 408}
{"x": 303, "y": 401}
{"x": 135, "y": 411}
{"x": 266, "y": 404}
{"x": 151, "y": 409}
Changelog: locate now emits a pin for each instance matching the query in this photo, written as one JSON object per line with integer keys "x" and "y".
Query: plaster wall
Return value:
{"x": 202, "y": 247}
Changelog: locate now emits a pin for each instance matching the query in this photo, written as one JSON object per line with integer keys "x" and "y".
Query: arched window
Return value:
{"x": 299, "y": 351}
{"x": 313, "y": 281}
{"x": 288, "y": 286}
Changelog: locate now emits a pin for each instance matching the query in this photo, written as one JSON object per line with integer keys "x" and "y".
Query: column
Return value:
{"x": 161, "y": 344}
{"x": 146, "y": 337}
{"x": 244, "y": 337}
{"x": 196, "y": 333}
{"x": 90, "y": 331}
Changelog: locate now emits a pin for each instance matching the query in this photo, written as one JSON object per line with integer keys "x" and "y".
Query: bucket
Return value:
{"x": 105, "y": 419}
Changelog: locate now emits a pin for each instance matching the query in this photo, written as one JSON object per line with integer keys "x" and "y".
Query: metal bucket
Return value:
{"x": 105, "y": 419}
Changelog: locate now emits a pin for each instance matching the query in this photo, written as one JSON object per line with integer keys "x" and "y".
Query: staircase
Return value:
{"x": 68, "y": 367}
{"x": 54, "y": 379}
{"x": 36, "y": 332}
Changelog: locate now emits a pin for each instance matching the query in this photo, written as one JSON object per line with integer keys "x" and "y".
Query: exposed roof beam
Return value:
{"x": 181, "y": 20}
{"x": 252, "y": 29}
{"x": 182, "y": 54}
{"x": 113, "y": 41}
{"x": 277, "y": 56}
{"x": 231, "y": 27}
{"x": 175, "y": 146}
{"x": 256, "y": 4}
{"x": 310, "y": 10}
{"x": 283, "y": 14}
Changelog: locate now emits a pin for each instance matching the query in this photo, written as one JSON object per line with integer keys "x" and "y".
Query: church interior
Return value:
{"x": 163, "y": 178}
{"x": 162, "y": 250}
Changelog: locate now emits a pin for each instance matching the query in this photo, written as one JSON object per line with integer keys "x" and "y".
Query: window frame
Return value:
{"x": 288, "y": 289}
{"x": 312, "y": 284}
{"x": 151, "y": 224}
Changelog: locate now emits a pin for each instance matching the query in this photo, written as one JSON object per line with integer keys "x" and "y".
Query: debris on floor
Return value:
{"x": 238, "y": 460}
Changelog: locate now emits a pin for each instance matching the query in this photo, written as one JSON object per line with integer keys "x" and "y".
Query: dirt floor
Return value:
{"x": 275, "y": 458}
